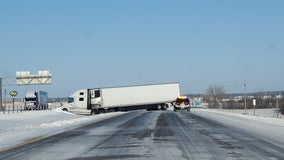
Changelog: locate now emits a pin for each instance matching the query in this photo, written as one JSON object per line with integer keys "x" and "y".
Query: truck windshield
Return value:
{"x": 30, "y": 99}
{"x": 70, "y": 100}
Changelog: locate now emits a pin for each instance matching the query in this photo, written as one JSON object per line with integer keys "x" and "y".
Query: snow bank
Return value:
{"x": 263, "y": 116}
{"x": 263, "y": 125}
{"x": 16, "y": 128}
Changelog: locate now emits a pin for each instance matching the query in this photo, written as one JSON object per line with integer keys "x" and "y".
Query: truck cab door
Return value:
{"x": 96, "y": 99}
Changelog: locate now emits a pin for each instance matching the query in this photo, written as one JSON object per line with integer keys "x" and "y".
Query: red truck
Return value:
{"x": 181, "y": 103}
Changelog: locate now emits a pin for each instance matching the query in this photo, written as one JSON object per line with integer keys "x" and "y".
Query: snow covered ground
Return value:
{"x": 17, "y": 128}
{"x": 264, "y": 123}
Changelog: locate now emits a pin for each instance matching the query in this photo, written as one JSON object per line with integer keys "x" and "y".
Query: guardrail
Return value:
{"x": 18, "y": 109}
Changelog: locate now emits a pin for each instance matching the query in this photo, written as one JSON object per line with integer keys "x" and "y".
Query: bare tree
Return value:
{"x": 214, "y": 95}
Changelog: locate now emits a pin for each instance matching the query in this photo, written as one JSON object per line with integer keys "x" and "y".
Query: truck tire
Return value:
{"x": 159, "y": 107}
{"x": 64, "y": 109}
{"x": 165, "y": 106}
{"x": 94, "y": 112}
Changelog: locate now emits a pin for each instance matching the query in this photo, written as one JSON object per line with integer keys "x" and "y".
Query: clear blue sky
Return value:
{"x": 92, "y": 43}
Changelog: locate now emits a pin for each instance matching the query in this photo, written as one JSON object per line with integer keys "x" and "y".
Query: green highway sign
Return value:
{"x": 13, "y": 93}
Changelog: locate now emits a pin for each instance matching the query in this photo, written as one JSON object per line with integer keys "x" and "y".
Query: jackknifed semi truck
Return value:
{"x": 97, "y": 100}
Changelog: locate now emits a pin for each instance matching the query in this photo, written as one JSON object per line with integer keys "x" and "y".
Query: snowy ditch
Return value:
{"x": 17, "y": 128}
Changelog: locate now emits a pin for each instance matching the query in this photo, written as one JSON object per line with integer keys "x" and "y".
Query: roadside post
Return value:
{"x": 13, "y": 94}
{"x": 254, "y": 104}
{"x": 245, "y": 96}
{"x": 1, "y": 106}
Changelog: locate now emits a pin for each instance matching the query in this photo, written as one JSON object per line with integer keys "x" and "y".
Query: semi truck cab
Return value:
{"x": 83, "y": 101}
{"x": 77, "y": 101}
{"x": 36, "y": 100}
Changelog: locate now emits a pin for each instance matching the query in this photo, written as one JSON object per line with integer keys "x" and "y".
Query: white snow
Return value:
{"x": 264, "y": 123}
{"x": 20, "y": 127}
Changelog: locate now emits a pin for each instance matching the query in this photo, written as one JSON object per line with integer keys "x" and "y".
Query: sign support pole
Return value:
{"x": 1, "y": 106}
{"x": 254, "y": 104}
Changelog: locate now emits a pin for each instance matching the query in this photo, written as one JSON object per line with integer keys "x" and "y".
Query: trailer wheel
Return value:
{"x": 165, "y": 106}
{"x": 159, "y": 107}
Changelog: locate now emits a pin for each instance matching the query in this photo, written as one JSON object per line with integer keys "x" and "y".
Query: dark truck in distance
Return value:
{"x": 36, "y": 100}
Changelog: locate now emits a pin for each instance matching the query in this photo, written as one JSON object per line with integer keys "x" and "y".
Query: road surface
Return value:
{"x": 158, "y": 135}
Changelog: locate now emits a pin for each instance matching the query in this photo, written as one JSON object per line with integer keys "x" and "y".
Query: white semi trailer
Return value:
{"x": 150, "y": 97}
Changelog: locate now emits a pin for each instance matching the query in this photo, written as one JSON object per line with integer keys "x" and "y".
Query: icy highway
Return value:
{"x": 157, "y": 135}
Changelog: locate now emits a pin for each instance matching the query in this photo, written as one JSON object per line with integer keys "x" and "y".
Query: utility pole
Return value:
{"x": 245, "y": 97}
{"x": 277, "y": 103}
{"x": 1, "y": 106}
{"x": 5, "y": 101}
{"x": 254, "y": 104}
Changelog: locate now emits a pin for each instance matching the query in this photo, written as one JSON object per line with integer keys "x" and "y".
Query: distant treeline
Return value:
{"x": 264, "y": 99}
{"x": 232, "y": 95}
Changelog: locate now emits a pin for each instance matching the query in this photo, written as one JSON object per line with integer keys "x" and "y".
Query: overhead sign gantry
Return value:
{"x": 25, "y": 78}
